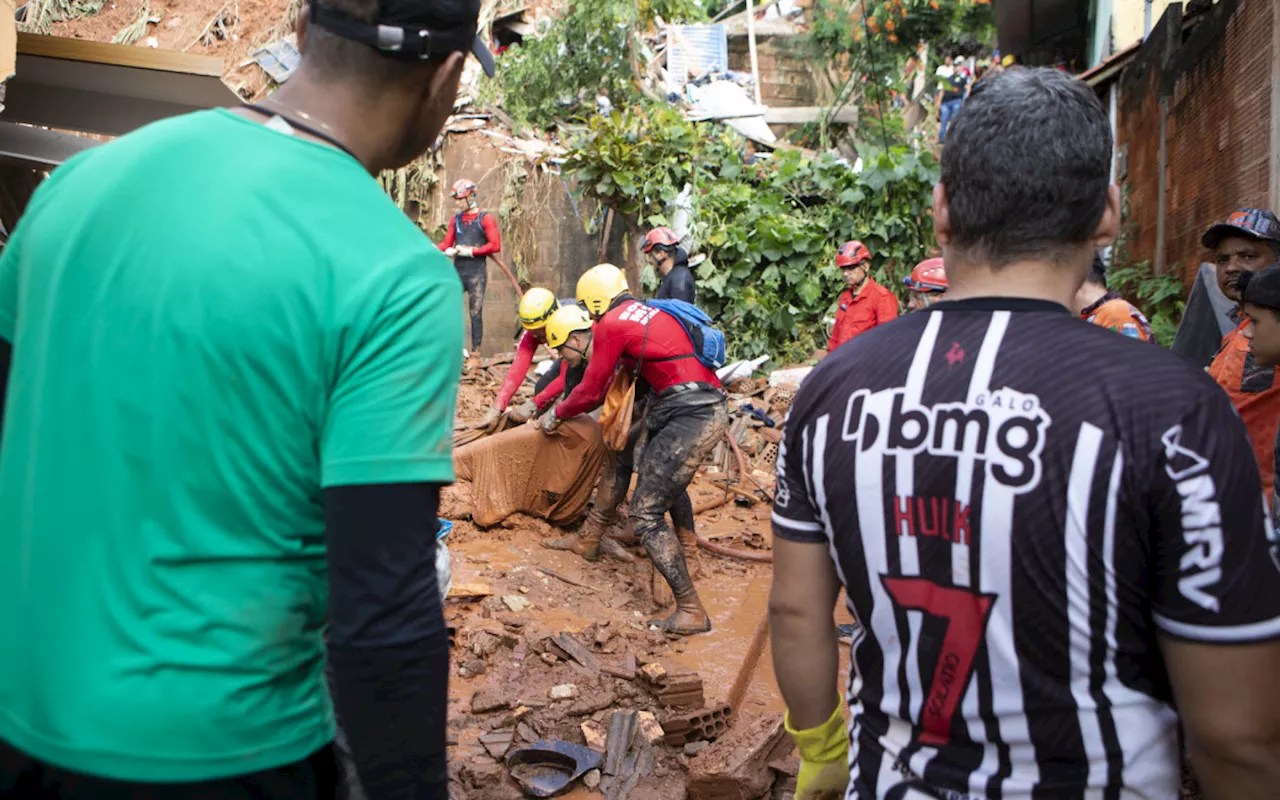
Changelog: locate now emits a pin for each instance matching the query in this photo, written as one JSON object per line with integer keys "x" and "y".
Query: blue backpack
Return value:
{"x": 708, "y": 342}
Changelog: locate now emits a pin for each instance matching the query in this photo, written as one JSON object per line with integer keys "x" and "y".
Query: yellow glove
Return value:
{"x": 824, "y": 758}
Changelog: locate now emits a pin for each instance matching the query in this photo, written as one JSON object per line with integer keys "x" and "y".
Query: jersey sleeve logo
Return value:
{"x": 1004, "y": 429}
{"x": 1201, "y": 562}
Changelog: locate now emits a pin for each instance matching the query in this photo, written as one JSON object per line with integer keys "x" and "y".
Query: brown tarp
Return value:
{"x": 524, "y": 470}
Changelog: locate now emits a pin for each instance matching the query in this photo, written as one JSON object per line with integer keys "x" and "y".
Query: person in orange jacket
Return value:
{"x": 1098, "y": 305}
{"x": 1247, "y": 241}
{"x": 864, "y": 303}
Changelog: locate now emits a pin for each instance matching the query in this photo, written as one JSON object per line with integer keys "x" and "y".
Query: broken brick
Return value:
{"x": 736, "y": 767}
{"x": 706, "y": 723}
{"x": 487, "y": 700}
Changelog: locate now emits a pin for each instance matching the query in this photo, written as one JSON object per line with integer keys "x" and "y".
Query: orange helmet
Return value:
{"x": 851, "y": 254}
{"x": 463, "y": 188}
{"x": 659, "y": 236}
{"x": 928, "y": 276}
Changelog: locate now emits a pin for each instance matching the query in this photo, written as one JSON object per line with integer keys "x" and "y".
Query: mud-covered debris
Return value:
{"x": 619, "y": 671}
{"x": 469, "y": 591}
{"x": 574, "y": 649}
{"x": 469, "y": 667}
{"x": 496, "y": 743}
{"x": 484, "y": 644}
{"x": 693, "y": 748}
{"x": 488, "y": 700}
{"x": 515, "y": 602}
{"x": 564, "y": 691}
{"x": 736, "y": 767}
{"x": 513, "y": 622}
{"x": 592, "y": 779}
{"x": 654, "y": 673}
{"x": 649, "y": 727}
{"x": 591, "y": 704}
{"x": 622, "y": 729}
{"x": 526, "y": 733}
{"x": 705, "y": 723}
{"x": 549, "y": 659}
{"x": 680, "y": 690}
{"x": 595, "y": 735}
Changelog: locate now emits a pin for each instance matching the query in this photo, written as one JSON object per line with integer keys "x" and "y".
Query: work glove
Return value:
{"x": 451, "y": 251}
{"x": 549, "y": 422}
{"x": 466, "y": 252}
{"x": 489, "y": 422}
{"x": 523, "y": 412}
{"x": 824, "y": 758}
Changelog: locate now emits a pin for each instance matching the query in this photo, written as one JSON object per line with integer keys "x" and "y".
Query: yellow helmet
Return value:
{"x": 536, "y": 307}
{"x": 599, "y": 286}
{"x": 566, "y": 320}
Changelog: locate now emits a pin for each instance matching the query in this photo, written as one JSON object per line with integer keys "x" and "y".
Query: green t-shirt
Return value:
{"x": 212, "y": 321}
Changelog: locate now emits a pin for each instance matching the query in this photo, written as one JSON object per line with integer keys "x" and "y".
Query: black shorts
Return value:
{"x": 25, "y": 778}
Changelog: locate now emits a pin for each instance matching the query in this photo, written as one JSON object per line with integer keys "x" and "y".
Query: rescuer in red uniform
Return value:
{"x": 864, "y": 304}
{"x": 472, "y": 237}
{"x": 683, "y": 421}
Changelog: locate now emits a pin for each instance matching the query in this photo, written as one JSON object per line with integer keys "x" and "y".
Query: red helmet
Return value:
{"x": 851, "y": 254}
{"x": 463, "y": 188}
{"x": 928, "y": 276}
{"x": 659, "y": 236}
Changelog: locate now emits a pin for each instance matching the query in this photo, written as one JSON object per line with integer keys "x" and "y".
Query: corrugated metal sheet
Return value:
{"x": 695, "y": 49}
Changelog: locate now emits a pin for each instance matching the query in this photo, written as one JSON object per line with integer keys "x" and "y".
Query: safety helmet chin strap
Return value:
{"x": 582, "y": 353}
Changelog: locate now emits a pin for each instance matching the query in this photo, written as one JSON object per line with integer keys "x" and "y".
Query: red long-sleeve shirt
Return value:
{"x": 487, "y": 222}
{"x": 519, "y": 368}
{"x": 874, "y": 305}
{"x": 620, "y": 336}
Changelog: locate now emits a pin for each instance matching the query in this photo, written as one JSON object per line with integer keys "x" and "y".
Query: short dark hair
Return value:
{"x": 1026, "y": 167}
{"x": 1097, "y": 271}
{"x": 332, "y": 57}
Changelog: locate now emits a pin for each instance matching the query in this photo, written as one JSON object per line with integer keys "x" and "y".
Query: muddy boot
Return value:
{"x": 610, "y": 546}
{"x": 660, "y": 589}
{"x": 585, "y": 542}
{"x": 692, "y": 554}
{"x": 689, "y": 617}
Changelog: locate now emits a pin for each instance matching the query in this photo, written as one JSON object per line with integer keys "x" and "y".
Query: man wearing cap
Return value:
{"x": 1247, "y": 241}
{"x": 228, "y": 367}
{"x": 1097, "y": 305}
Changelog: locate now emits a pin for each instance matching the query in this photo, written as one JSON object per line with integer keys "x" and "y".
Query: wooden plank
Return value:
{"x": 33, "y": 44}
{"x": 577, "y": 651}
{"x": 799, "y": 115}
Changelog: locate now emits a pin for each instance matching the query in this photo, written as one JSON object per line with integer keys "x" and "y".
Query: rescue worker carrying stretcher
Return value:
{"x": 536, "y": 308}
{"x": 683, "y": 421}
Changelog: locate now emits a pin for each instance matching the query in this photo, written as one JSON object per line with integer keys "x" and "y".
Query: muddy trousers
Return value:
{"x": 681, "y": 430}
{"x": 615, "y": 480}
{"x": 475, "y": 276}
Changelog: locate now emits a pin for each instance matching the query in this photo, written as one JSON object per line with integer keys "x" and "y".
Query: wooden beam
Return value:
{"x": 799, "y": 115}
{"x": 31, "y": 44}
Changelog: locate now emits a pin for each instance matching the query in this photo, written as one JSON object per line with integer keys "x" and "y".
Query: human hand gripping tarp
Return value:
{"x": 824, "y": 758}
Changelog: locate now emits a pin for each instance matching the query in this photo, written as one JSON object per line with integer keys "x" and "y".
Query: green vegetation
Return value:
{"x": 771, "y": 229}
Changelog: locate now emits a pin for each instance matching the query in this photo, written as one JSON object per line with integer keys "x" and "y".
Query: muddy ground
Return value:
{"x": 501, "y": 656}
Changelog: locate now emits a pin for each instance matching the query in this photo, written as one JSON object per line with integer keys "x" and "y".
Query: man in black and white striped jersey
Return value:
{"x": 1051, "y": 535}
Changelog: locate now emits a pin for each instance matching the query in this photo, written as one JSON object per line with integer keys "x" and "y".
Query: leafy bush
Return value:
{"x": 770, "y": 229}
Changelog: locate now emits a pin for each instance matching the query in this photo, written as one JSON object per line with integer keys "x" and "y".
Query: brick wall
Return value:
{"x": 785, "y": 77}
{"x": 1214, "y": 83}
{"x": 561, "y": 248}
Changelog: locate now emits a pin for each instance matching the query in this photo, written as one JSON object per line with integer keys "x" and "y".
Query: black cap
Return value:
{"x": 1250, "y": 223}
{"x": 413, "y": 29}
{"x": 1261, "y": 288}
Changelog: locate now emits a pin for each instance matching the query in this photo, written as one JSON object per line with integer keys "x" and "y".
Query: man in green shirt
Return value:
{"x": 228, "y": 366}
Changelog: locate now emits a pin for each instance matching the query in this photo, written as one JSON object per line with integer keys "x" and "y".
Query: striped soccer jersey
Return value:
{"x": 1018, "y": 504}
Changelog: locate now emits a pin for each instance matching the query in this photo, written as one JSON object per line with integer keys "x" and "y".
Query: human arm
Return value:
{"x": 607, "y": 348}
{"x": 494, "y": 239}
{"x": 447, "y": 244}
{"x": 683, "y": 286}
{"x": 1216, "y": 601}
{"x": 801, "y": 601}
{"x": 385, "y": 450}
{"x": 888, "y": 307}
{"x": 548, "y": 395}
{"x": 517, "y": 371}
